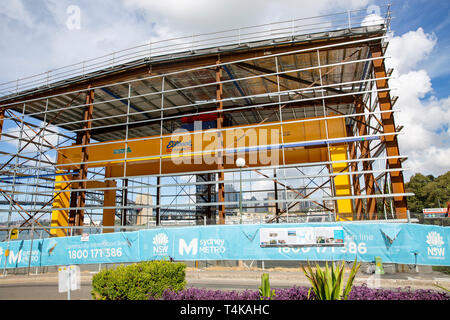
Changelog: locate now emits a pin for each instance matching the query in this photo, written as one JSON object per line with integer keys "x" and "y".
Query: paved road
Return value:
{"x": 49, "y": 290}
{"x": 45, "y": 286}
{"x": 42, "y": 291}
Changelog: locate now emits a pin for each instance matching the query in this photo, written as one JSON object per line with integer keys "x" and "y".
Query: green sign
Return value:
{"x": 120, "y": 151}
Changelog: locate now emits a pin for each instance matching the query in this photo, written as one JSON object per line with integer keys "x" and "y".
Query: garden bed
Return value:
{"x": 301, "y": 293}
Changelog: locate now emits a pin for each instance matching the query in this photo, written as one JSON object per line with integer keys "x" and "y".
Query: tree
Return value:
{"x": 438, "y": 191}
{"x": 430, "y": 192}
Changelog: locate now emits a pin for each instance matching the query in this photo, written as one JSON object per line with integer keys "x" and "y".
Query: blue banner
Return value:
{"x": 98, "y": 248}
{"x": 394, "y": 243}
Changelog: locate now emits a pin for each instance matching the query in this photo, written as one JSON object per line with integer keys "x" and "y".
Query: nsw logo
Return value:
{"x": 435, "y": 245}
{"x": 160, "y": 244}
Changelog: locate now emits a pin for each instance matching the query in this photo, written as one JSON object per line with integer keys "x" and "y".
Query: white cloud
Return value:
{"x": 410, "y": 49}
{"x": 35, "y": 39}
{"x": 372, "y": 19}
{"x": 16, "y": 11}
{"x": 426, "y": 119}
{"x": 187, "y": 17}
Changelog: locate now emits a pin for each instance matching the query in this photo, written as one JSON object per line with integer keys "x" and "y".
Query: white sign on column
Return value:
{"x": 68, "y": 279}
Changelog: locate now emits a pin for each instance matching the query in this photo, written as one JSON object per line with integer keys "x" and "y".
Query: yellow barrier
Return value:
{"x": 342, "y": 188}
{"x": 60, "y": 218}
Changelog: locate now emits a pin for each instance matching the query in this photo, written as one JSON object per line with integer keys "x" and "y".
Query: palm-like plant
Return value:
{"x": 264, "y": 290}
{"x": 328, "y": 284}
{"x": 441, "y": 287}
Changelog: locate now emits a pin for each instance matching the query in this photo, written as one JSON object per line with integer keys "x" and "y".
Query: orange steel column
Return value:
{"x": 369, "y": 180}
{"x": 2, "y": 116}
{"x": 158, "y": 201}
{"x": 221, "y": 189}
{"x": 74, "y": 192}
{"x": 109, "y": 200}
{"x": 77, "y": 216}
{"x": 355, "y": 178}
{"x": 391, "y": 142}
{"x": 87, "y": 116}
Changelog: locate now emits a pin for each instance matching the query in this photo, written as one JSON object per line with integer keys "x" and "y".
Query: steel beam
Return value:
{"x": 221, "y": 174}
{"x": 2, "y": 117}
{"x": 275, "y": 187}
{"x": 358, "y": 207}
{"x": 158, "y": 201}
{"x": 369, "y": 183}
{"x": 124, "y": 201}
{"x": 229, "y": 109}
{"x": 172, "y": 65}
{"x": 286, "y": 76}
{"x": 78, "y": 198}
{"x": 391, "y": 142}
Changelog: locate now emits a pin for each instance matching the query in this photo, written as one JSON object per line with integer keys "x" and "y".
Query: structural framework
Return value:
{"x": 151, "y": 134}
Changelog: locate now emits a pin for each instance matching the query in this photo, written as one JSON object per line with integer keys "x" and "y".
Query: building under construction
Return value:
{"x": 151, "y": 134}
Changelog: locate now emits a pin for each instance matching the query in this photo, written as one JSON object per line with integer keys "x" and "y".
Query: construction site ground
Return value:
{"x": 44, "y": 286}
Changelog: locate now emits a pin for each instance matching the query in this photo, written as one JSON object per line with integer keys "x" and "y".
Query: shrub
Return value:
{"x": 138, "y": 281}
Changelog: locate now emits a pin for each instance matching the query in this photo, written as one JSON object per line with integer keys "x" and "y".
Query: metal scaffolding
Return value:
{"x": 306, "y": 102}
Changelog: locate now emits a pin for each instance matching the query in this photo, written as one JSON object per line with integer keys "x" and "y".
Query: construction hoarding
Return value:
{"x": 393, "y": 243}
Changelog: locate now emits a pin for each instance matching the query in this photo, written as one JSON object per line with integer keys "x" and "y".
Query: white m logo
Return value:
{"x": 183, "y": 247}
{"x": 15, "y": 258}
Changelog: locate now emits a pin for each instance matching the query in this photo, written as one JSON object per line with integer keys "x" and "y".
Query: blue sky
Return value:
{"x": 35, "y": 38}
{"x": 434, "y": 17}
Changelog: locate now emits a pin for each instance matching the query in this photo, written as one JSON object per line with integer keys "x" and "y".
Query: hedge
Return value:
{"x": 139, "y": 281}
